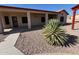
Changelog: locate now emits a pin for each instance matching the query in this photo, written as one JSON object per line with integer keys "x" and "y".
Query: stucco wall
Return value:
{"x": 18, "y": 15}
{"x": 1, "y": 26}
{"x": 36, "y": 19}
{"x": 65, "y": 17}
{"x": 20, "y": 20}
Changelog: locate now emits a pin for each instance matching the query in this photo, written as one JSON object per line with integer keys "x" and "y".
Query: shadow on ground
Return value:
{"x": 67, "y": 24}
{"x": 22, "y": 29}
{"x": 72, "y": 40}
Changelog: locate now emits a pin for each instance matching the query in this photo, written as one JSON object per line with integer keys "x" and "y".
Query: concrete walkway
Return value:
{"x": 7, "y": 47}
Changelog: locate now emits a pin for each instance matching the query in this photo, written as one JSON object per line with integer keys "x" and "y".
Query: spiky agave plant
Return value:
{"x": 54, "y": 34}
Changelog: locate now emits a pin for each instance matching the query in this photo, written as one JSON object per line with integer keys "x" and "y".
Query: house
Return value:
{"x": 25, "y": 17}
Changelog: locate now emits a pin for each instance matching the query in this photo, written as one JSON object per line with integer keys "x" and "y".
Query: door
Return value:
{"x": 14, "y": 20}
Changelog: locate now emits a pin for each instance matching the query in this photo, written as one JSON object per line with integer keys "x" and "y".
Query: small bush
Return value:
{"x": 53, "y": 33}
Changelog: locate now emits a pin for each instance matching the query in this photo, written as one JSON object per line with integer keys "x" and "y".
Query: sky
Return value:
{"x": 49, "y": 7}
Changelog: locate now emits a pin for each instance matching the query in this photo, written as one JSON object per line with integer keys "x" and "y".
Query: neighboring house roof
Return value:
{"x": 12, "y": 7}
{"x": 64, "y": 11}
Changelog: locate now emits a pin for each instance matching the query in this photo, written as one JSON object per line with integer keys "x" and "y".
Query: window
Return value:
{"x": 6, "y": 20}
{"x": 61, "y": 19}
{"x": 43, "y": 19}
{"x": 24, "y": 20}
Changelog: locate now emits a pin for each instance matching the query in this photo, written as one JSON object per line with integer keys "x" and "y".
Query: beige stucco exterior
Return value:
{"x": 64, "y": 15}
{"x": 36, "y": 19}
{"x": 1, "y": 25}
{"x": 33, "y": 17}
{"x": 10, "y": 14}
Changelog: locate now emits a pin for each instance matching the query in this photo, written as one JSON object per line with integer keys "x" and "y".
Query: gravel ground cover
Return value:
{"x": 33, "y": 43}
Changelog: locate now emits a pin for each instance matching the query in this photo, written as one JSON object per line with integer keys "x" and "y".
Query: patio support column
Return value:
{"x": 58, "y": 17}
{"x": 73, "y": 19}
{"x": 46, "y": 18}
{"x": 19, "y": 22}
{"x": 1, "y": 25}
{"x": 10, "y": 19}
{"x": 29, "y": 20}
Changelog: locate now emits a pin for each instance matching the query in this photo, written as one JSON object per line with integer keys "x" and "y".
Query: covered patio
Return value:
{"x": 34, "y": 17}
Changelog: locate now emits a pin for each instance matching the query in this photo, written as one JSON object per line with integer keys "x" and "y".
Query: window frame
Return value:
{"x": 6, "y": 18}
{"x": 43, "y": 19}
{"x": 62, "y": 19}
{"x": 23, "y": 20}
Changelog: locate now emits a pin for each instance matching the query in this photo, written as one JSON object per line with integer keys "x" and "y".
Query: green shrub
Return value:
{"x": 53, "y": 33}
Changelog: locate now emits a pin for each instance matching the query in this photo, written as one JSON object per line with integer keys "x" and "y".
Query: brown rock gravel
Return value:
{"x": 32, "y": 42}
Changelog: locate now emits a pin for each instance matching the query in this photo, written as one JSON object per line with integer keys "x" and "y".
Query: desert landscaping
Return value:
{"x": 39, "y": 34}
{"x": 32, "y": 42}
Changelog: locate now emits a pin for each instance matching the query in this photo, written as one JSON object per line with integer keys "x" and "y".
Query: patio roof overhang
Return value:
{"x": 24, "y": 10}
{"x": 18, "y": 9}
{"x": 74, "y": 9}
